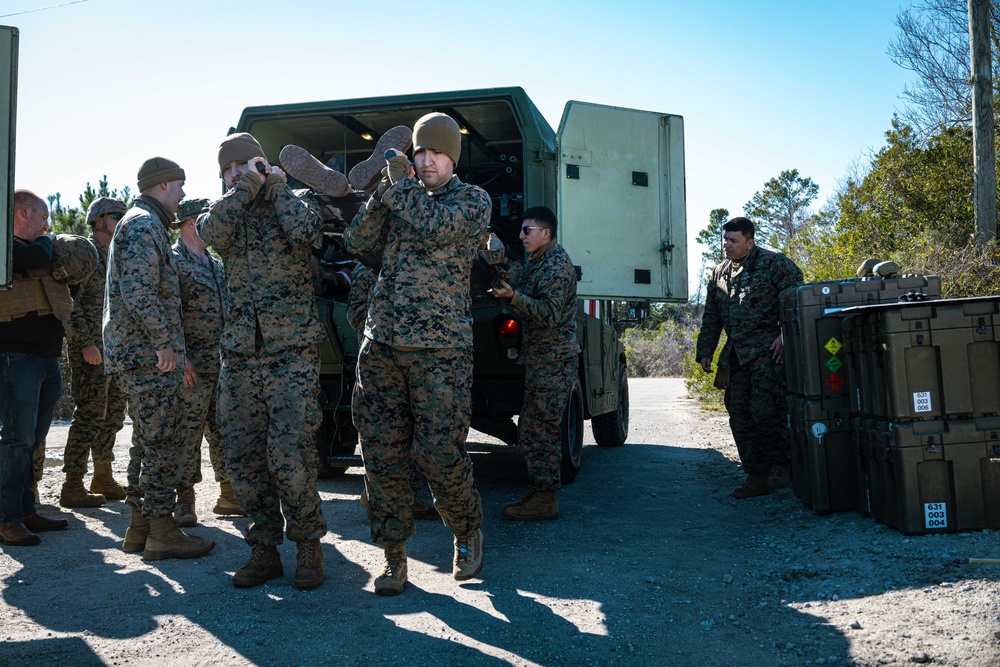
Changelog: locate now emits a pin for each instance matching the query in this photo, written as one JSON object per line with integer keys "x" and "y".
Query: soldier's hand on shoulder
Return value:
{"x": 398, "y": 165}
{"x": 252, "y": 168}
{"x": 277, "y": 171}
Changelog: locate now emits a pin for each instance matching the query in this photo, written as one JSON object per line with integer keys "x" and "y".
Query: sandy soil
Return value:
{"x": 651, "y": 563}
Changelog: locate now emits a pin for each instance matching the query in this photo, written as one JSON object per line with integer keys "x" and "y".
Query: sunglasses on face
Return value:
{"x": 526, "y": 230}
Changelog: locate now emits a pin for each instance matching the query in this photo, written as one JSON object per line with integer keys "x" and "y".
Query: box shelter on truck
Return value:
{"x": 614, "y": 177}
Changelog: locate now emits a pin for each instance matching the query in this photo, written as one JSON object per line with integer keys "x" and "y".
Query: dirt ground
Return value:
{"x": 651, "y": 563}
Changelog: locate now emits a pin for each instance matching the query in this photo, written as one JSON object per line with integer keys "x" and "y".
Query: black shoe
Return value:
{"x": 39, "y": 524}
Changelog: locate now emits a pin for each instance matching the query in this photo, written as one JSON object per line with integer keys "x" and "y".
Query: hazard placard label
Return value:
{"x": 833, "y": 346}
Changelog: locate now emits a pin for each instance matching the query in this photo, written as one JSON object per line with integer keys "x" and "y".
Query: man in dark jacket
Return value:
{"x": 31, "y": 338}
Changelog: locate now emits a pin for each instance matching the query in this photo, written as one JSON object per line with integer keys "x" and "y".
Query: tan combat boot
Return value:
{"x": 227, "y": 504}
{"x": 780, "y": 476}
{"x": 468, "y": 555}
{"x": 168, "y": 541}
{"x": 184, "y": 514}
{"x": 538, "y": 506}
{"x": 366, "y": 174}
{"x": 75, "y": 494}
{"x": 392, "y": 581}
{"x": 422, "y": 510}
{"x": 309, "y": 565}
{"x": 136, "y": 533}
{"x": 302, "y": 165}
{"x": 264, "y": 565}
{"x": 104, "y": 483}
{"x": 755, "y": 485}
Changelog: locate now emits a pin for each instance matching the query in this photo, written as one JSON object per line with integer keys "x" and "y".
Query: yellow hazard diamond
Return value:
{"x": 833, "y": 346}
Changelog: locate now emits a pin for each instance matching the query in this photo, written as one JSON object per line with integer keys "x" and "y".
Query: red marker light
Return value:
{"x": 509, "y": 327}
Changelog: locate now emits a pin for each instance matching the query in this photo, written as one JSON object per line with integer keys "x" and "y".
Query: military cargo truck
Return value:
{"x": 615, "y": 178}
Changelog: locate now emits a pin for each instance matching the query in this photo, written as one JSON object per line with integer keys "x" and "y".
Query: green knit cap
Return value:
{"x": 439, "y": 132}
{"x": 239, "y": 147}
{"x": 158, "y": 170}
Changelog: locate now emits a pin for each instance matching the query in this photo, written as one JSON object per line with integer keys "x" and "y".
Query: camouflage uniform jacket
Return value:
{"x": 266, "y": 246}
{"x": 142, "y": 299}
{"x": 88, "y": 305}
{"x": 421, "y": 298}
{"x": 360, "y": 296}
{"x": 546, "y": 299}
{"x": 743, "y": 300}
{"x": 203, "y": 309}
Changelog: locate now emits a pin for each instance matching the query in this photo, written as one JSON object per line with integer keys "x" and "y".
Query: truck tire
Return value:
{"x": 611, "y": 428}
{"x": 325, "y": 447}
{"x": 571, "y": 435}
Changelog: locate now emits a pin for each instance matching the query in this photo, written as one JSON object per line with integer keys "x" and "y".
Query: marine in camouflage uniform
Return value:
{"x": 414, "y": 375}
{"x": 545, "y": 298}
{"x": 100, "y": 404}
{"x": 742, "y": 299}
{"x": 269, "y": 381}
{"x": 144, "y": 349}
{"x": 358, "y": 300}
{"x": 203, "y": 314}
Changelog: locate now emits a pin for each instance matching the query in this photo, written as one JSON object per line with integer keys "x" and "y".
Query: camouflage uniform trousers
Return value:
{"x": 546, "y": 389}
{"x": 269, "y": 413}
{"x": 758, "y": 414}
{"x": 154, "y": 466}
{"x": 99, "y": 416}
{"x": 198, "y": 422}
{"x": 416, "y": 404}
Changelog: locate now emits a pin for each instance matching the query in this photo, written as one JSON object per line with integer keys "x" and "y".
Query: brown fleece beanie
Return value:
{"x": 239, "y": 147}
{"x": 439, "y": 132}
{"x": 158, "y": 170}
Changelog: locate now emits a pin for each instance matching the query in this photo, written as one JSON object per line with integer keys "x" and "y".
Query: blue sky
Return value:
{"x": 763, "y": 87}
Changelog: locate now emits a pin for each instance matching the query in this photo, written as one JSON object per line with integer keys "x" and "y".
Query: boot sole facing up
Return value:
{"x": 369, "y": 172}
{"x": 302, "y": 165}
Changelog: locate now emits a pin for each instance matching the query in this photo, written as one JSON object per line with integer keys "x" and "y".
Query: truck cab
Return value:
{"x": 614, "y": 177}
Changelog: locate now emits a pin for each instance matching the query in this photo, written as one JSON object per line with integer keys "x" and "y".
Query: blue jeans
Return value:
{"x": 30, "y": 387}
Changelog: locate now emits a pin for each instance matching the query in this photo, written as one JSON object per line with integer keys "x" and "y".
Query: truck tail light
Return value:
{"x": 509, "y": 327}
{"x": 509, "y": 334}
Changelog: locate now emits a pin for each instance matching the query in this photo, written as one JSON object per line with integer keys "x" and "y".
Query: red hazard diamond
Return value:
{"x": 835, "y": 381}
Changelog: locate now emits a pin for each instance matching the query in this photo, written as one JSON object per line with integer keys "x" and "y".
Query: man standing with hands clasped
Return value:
{"x": 742, "y": 299}
{"x": 545, "y": 298}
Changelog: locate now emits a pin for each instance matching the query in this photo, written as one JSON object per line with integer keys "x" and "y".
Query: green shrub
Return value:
{"x": 701, "y": 385}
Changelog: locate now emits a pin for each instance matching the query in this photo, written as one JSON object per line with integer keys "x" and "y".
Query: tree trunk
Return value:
{"x": 982, "y": 122}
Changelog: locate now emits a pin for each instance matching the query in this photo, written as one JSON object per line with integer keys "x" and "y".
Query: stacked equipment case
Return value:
{"x": 925, "y": 412}
{"x": 820, "y": 377}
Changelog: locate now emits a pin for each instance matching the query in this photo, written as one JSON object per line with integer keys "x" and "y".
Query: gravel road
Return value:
{"x": 651, "y": 563}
